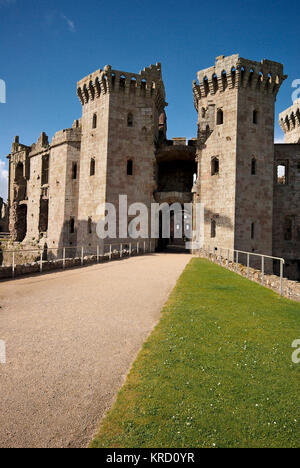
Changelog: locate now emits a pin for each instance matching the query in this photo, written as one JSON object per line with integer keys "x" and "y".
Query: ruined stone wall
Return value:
{"x": 34, "y": 190}
{"x": 286, "y": 226}
{"x": 63, "y": 189}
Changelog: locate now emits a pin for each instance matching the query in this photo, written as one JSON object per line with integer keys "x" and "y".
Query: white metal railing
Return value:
{"x": 217, "y": 252}
{"x": 125, "y": 249}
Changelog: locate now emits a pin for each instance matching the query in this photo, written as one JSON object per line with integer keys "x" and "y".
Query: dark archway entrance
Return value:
{"x": 179, "y": 232}
{"x": 21, "y": 222}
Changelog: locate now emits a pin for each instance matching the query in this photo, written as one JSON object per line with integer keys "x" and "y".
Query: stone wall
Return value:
{"x": 291, "y": 289}
{"x": 286, "y": 227}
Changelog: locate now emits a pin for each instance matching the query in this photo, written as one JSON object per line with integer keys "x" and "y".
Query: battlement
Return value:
{"x": 289, "y": 119}
{"x": 147, "y": 83}
{"x": 236, "y": 72}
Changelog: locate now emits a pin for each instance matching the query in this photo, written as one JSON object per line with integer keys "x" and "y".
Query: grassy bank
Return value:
{"x": 216, "y": 372}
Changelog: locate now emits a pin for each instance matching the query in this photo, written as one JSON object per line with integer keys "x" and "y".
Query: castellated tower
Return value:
{"x": 120, "y": 128}
{"x": 290, "y": 123}
{"x": 235, "y": 101}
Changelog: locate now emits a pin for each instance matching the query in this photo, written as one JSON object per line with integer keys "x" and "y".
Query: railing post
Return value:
{"x": 262, "y": 270}
{"x": 138, "y": 248}
{"x": 64, "y": 257}
{"x": 228, "y": 254}
{"x": 214, "y": 255}
{"x": 82, "y": 255}
{"x": 248, "y": 265}
{"x": 144, "y": 247}
{"x": 41, "y": 261}
{"x": 220, "y": 256}
{"x": 281, "y": 277}
{"x": 98, "y": 254}
{"x": 110, "y": 252}
{"x": 237, "y": 261}
{"x": 13, "y": 264}
{"x": 121, "y": 250}
{"x": 130, "y": 249}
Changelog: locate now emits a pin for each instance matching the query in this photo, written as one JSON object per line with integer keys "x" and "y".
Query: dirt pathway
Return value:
{"x": 71, "y": 338}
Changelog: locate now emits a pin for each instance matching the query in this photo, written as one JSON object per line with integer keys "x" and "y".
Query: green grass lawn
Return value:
{"x": 217, "y": 371}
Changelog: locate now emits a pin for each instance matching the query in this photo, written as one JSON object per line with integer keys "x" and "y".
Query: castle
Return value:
{"x": 250, "y": 187}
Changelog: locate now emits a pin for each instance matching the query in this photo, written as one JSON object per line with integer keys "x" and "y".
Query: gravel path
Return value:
{"x": 71, "y": 338}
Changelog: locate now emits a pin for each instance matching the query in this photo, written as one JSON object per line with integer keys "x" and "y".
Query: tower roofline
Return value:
{"x": 147, "y": 82}
{"x": 289, "y": 119}
{"x": 234, "y": 72}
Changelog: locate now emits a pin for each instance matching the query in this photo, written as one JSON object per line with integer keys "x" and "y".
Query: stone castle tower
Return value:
{"x": 235, "y": 100}
{"x": 120, "y": 126}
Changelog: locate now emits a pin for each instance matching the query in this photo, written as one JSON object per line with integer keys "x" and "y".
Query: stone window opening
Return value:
{"x": 72, "y": 225}
{"x": 129, "y": 167}
{"x": 253, "y": 166}
{"x": 19, "y": 174}
{"x": 122, "y": 82}
{"x": 281, "y": 175}
{"x": 242, "y": 74}
{"x": 130, "y": 120}
{"x": 43, "y": 215}
{"x": 206, "y": 85}
{"x": 220, "y": 117}
{"x": 215, "y": 82}
{"x": 92, "y": 167}
{"x": 255, "y": 117}
{"x": 252, "y": 230}
{"x": 45, "y": 170}
{"x": 143, "y": 87}
{"x": 133, "y": 84}
{"x": 233, "y": 75}
{"x": 215, "y": 166}
{"x": 213, "y": 229}
{"x": 287, "y": 123}
{"x": 89, "y": 225}
{"x": 224, "y": 79}
{"x": 74, "y": 171}
{"x": 293, "y": 120}
{"x": 94, "y": 121}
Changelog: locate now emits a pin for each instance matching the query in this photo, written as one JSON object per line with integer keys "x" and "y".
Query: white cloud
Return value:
{"x": 279, "y": 140}
{"x": 3, "y": 180}
{"x": 70, "y": 23}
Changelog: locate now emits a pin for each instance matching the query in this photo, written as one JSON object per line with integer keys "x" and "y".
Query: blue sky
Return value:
{"x": 47, "y": 46}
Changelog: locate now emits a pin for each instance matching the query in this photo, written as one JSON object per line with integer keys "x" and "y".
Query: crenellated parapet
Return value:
{"x": 289, "y": 121}
{"x": 148, "y": 83}
{"x": 236, "y": 72}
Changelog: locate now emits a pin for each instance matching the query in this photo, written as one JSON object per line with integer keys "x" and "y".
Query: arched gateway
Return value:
{"x": 175, "y": 175}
